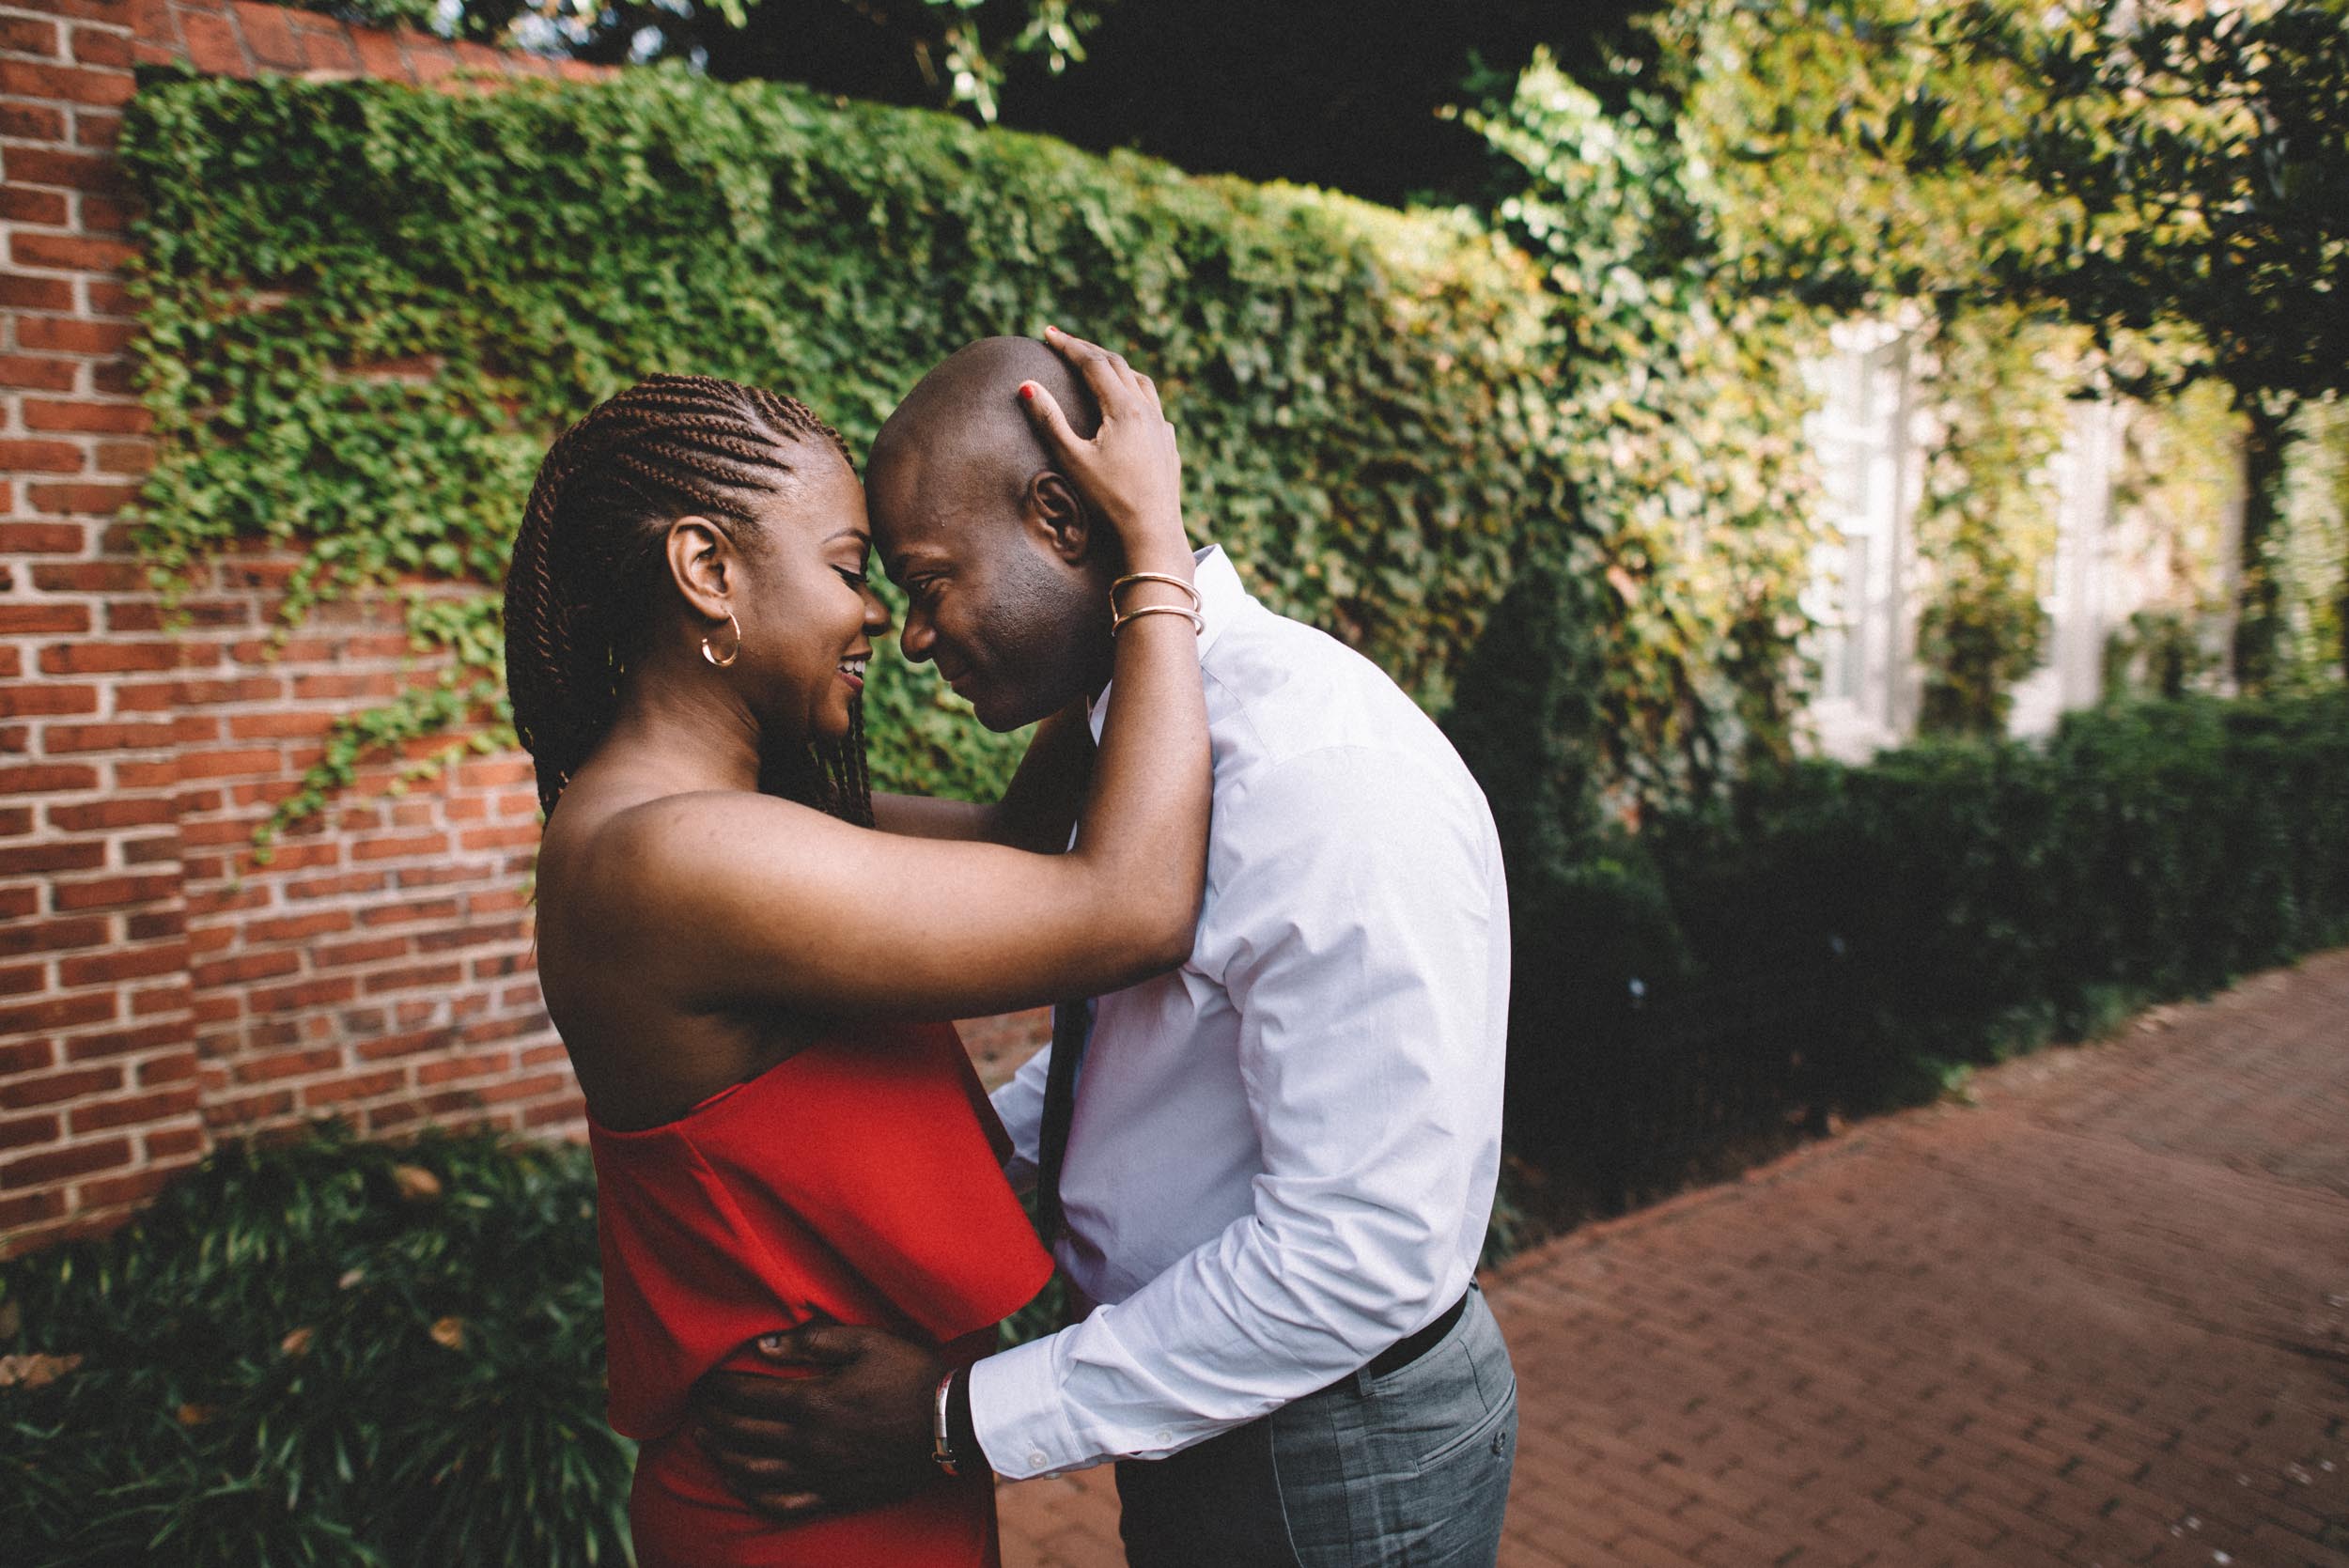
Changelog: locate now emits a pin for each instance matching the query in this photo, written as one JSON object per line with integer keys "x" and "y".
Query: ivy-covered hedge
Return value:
{"x": 1837, "y": 938}
{"x": 368, "y": 307}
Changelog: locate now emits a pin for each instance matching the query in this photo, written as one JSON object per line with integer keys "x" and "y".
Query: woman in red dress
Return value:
{"x": 737, "y": 960}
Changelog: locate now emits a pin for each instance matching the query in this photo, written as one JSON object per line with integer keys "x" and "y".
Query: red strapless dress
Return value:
{"x": 860, "y": 1181}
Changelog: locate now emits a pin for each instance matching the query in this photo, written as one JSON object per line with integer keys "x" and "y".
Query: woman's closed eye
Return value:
{"x": 854, "y": 578}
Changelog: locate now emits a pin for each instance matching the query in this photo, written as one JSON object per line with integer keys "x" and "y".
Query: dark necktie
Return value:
{"x": 1072, "y": 1023}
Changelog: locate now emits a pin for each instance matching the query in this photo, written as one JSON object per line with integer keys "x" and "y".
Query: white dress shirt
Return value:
{"x": 1284, "y": 1152}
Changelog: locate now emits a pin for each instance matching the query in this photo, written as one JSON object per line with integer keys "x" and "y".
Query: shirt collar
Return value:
{"x": 1221, "y": 596}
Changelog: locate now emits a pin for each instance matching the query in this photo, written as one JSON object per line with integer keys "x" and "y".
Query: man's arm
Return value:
{"x": 1039, "y": 806}
{"x": 1369, "y": 1031}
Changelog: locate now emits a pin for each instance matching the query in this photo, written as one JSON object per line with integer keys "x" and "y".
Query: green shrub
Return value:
{"x": 1835, "y": 939}
{"x": 1995, "y": 894}
{"x": 329, "y": 1352}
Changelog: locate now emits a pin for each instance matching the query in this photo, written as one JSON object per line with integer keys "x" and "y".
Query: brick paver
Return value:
{"x": 2101, "y": 1316}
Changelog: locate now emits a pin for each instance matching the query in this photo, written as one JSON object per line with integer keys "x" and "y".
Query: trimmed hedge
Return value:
{"x": 367, "y": 308}
{"x": 1839, "y": 938}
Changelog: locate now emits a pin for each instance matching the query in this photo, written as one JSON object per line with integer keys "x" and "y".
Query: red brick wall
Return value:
{"x": 99, "y": 1079}
{"x": 158, "y": 988}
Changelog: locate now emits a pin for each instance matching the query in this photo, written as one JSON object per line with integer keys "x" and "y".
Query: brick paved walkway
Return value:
{"x": 2100, "y": 1318}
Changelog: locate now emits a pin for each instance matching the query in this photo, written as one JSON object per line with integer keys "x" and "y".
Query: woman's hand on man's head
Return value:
{"x": 1131, "y": 470}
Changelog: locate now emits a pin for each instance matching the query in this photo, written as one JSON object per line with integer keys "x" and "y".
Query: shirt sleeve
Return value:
{"x": 1019, "y": 1104}
{"x": 1354, "y": 929}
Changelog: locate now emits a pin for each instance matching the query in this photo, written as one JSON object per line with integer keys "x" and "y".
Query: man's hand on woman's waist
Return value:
{"x": 854, "y": 1433}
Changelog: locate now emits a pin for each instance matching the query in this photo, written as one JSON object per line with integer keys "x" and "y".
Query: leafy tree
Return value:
{"x": 1783, "y": 111}
{"x": 2131, "y": 165}
{"x": 2198, "y": 155}
{"x": 943, "y": 54}
{"x": 2203, "y": 154}
{"x": 1338, "y": 93}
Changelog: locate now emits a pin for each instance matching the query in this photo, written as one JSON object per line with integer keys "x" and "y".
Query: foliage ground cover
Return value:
{"x": 334, "y": 1352}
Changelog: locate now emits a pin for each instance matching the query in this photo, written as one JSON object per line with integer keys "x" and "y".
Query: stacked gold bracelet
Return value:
{"x": 1119, "y": 617}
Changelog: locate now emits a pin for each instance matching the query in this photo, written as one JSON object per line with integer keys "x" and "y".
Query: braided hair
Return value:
{"x": 583, "y": 589}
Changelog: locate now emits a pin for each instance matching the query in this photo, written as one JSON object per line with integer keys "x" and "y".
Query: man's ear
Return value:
{"x": 1060, "y": 515}
{"x": 703, "y": 565}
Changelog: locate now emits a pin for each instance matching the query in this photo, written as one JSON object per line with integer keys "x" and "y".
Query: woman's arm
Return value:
{"x": 1039, "y": 805}
{"x": 790, "y": 906}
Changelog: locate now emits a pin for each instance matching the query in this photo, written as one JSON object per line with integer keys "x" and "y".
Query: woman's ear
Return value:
{"x": 704, "y": 565}
{"x": 1059, "y": 514}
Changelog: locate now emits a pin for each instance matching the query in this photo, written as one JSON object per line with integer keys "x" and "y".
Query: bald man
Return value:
{"x": 1264, "y": 1175}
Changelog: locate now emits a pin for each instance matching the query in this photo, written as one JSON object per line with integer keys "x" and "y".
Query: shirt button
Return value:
{"x": 1037, "y": 1457}
{"x": 1165, "y": 1438}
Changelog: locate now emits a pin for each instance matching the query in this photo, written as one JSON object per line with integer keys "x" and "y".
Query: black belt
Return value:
{"x": 1402, "y": 1352}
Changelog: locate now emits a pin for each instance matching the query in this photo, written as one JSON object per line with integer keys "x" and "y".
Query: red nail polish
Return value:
{"x": 1027, "y": 390}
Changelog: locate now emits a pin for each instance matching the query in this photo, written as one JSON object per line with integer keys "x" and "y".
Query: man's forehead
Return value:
{"x": 917, "y": 509}
{"x": 903, "y": 549}
{"x": 909, "y": 536}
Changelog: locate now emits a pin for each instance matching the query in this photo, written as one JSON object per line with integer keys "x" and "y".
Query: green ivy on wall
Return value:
{"x": 1680, "y": 424}
{"x": 2310, "y": 552}
{"x": 369, "y": 308}
{"x": 1986, "y": 530}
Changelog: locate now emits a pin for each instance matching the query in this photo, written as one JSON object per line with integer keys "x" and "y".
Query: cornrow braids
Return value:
{"x": 582, "y": 586}
{"x": 833, "y": 779}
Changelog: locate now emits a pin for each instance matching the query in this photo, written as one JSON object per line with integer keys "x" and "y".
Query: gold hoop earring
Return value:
{"x": 733, "y": 653}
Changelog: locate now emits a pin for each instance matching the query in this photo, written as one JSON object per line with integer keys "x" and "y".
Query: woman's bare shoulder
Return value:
{"x": 634, "y": 965}
{"x": 635, "y": 858}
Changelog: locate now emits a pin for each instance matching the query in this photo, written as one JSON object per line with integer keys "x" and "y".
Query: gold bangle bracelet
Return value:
{"x": 1169, "y": 578}
{"x": 1198, "y": 622}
